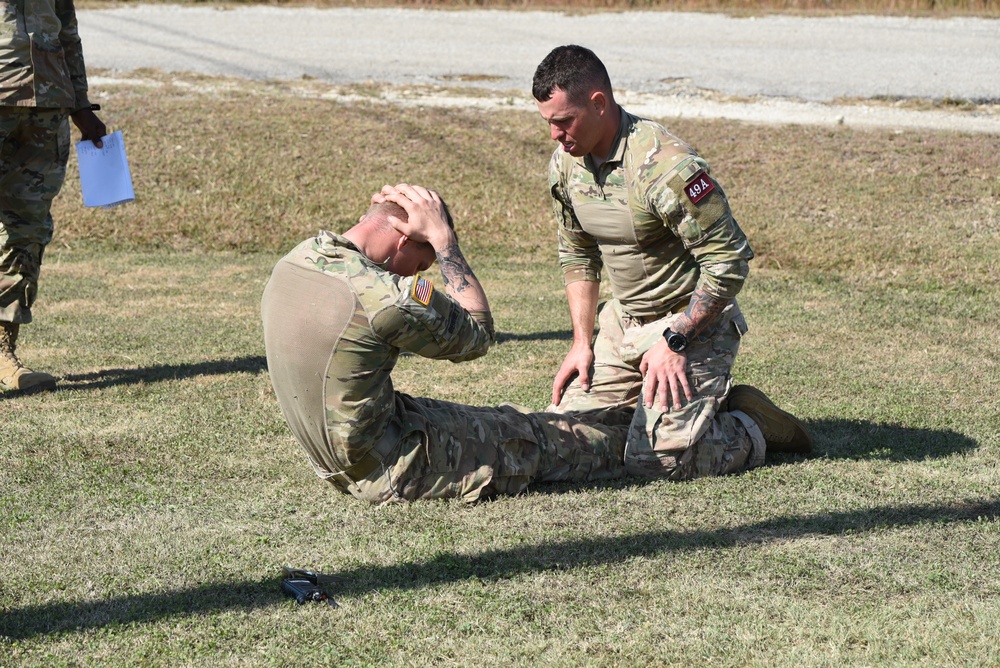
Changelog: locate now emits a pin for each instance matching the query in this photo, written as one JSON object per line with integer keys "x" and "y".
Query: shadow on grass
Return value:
{"x": 864, "y": 440}
{"x": 34, "y": 620}
{"x": 247, "y": 364}
{"x": 152, "y": 374}
{"x": 561, "y": 335}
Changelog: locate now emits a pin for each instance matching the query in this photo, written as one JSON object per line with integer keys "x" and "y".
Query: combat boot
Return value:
{"x": 13, "y": 374}
{"x": 783, "y": 432}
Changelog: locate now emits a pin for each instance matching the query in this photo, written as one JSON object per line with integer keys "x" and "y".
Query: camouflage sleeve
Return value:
{"x": 427, "y": 322}
{"x": 69, "y": 37}
{"x": 579, "y": 255}
{"x": 692, "y": 204}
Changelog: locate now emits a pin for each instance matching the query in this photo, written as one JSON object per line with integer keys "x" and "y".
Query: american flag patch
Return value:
{"x": 422, "y": 290}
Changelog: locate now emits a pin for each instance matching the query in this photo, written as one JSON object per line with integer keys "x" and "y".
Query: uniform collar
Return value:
{"x": 328, "y": 243}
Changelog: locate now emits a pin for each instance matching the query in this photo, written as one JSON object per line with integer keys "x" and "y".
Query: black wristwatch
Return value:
{"x": 675, "y": 340}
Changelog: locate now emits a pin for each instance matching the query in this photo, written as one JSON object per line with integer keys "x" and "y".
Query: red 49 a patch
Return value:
{"x": 699, "y": 187}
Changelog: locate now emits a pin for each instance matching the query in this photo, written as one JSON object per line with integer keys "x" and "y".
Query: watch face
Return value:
{"x": 676, "y": 342}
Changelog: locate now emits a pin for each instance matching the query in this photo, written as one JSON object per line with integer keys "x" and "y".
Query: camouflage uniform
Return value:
{"x": 42, "y": 79}
{"x": 662, "y": 226}
{"x": 334, "y": 325}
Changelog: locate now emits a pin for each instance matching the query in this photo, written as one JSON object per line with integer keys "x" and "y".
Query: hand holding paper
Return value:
{"x": 105, "y": 178}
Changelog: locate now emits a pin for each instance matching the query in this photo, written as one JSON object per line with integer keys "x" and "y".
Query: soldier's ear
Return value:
{"x": 599, "y": 100}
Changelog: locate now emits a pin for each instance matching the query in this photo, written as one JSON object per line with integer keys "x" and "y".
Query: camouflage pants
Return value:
{"x": 698, "y": 440}
{"x": 34, "y": 148}
{"x": 446, "y": 450}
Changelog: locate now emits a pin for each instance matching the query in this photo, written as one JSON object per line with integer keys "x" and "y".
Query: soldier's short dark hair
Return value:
{"x": 574, "y": 69}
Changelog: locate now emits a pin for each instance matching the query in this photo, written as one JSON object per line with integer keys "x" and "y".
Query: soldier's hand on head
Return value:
{"x": 426, "y": 218}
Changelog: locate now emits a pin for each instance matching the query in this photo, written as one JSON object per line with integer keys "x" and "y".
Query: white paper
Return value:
{"x": 104, "y": 175}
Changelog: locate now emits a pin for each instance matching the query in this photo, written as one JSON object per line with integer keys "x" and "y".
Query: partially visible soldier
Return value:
{"x": 630, "y": 196}
{"x": 337, "y": 311}
{"x": 42, "y": 81}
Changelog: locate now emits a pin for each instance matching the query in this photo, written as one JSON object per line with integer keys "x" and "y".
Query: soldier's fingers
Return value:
{"x": 398, "y": 224}
{"x": 422, "y": 192}
{"x": 686, "y": 386}
{"x": 402, "y": 200}
{"x": 649, "y": 391}
{"x": 667, "y": 392}
{"x": 399, "y": 196}
{"x": 415, "y": 193}
{"x": 562, "y": 377}
{"x": 557, "y": 391}
{"x": 390, "y": 194}
{"x": 675, "y": 393}
{"x": 404, "y": 190}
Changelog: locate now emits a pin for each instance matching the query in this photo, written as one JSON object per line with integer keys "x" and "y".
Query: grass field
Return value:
{"x": 147, "y": 507}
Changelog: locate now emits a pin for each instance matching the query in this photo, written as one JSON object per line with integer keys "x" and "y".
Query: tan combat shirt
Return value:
{"x": 334, "y": 323}
{"x": 653, "y": 216}
{"x": 41, "y": 58}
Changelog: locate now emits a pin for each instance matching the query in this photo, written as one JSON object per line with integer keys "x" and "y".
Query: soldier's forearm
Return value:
{"x": 582, "y": 298}
{"x": 701, "y": 313}
{"x": 459, "y": 280}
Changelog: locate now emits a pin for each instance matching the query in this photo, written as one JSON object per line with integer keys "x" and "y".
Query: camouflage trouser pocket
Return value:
{"x": 665, "y": 444}
{"x": 661, "y": 447}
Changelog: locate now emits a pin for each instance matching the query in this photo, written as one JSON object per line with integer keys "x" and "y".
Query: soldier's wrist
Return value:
{"x": 443, "y": 240}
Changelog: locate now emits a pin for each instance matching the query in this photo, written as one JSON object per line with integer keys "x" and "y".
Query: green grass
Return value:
{"x": 147, "y": 506}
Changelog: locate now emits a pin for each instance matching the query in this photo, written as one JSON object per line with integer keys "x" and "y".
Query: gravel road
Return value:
{"x": 671, "y": 64}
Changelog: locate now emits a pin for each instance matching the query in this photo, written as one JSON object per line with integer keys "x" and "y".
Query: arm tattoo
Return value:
{"x": 454, "y": 268}
{"x": 701, "y": 313}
